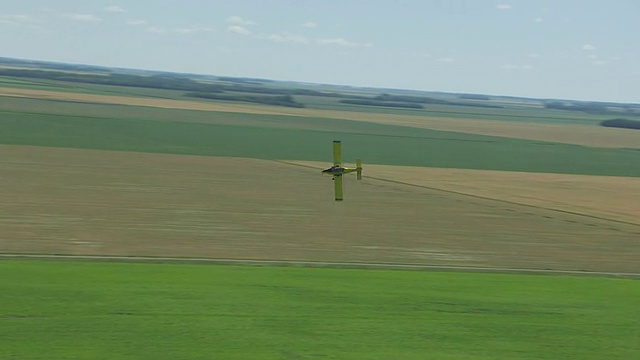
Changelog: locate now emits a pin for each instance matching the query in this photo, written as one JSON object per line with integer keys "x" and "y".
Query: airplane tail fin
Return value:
{"x": 359, "y": 169}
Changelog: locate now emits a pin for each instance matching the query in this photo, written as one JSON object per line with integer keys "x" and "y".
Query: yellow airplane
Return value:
{"x": 337, "y": 170}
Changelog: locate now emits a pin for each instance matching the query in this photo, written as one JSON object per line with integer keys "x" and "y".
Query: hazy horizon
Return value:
{"x": 580, "y": 50}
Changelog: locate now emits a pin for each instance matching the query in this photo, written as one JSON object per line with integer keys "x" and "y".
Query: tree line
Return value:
{"x": 166, "y": 81}
{"x": 622, "y": 123}
{"x": 410, "y": 102}
{"x": 279, "y": 100}
{"x": 593, "y": 107}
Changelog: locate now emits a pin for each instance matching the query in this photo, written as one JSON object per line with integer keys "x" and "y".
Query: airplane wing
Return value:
{"x": 337, "y": 153}
{"x": 337, "y": 182}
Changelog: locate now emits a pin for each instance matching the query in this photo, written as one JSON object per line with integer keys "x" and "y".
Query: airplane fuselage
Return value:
{"x": 338, "y": 170}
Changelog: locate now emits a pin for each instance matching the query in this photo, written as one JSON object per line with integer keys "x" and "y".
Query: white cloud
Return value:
{"x": 115, "y": 9}
{"x": 538, "y": 20}
{"x": 156, "y": 30}
{"x": 593, "y": 56}
{"x": 534, "y": 55}
{"x": 184, "y": 30}
{"x": 446, "y": 60}
{"x": 310, "y": 24}
{"x": 588, "y": 47}
{"x": 293, "y": 38}
{"x": 237, "y": 20}
{"x": 83, "y": 17}
{"x": 510, "y": 66}
{"x": 137, "y": 22}
{"x": 599, "y": 62}
{"x": 336, "y": 41}
{"x": 193, "y": 29}
{"x": 18, "y": 20}
{"x": 426, "y": 55}
{"x": 342, "y": 42}
{"x": 237, "y": 29}
{"x": 503, "y": 7}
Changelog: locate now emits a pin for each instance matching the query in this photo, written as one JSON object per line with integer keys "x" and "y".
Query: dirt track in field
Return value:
{"x": 68, "y": 201}
{"x": 570, "y": 134}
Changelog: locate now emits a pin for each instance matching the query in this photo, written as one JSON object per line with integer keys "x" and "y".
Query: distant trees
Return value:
{"x": 279, "y": 100}
{"x": 474, "y": 97}
{"x": 184, "y": 82}
{"x": 593, "y": 107}
{"x": 411, "y": 102}
{"x": 622, "y": 123}
{"x": 584, "y": 106}
{"x": 373, "y": 102}
{"x": 166, "y": 82}
{"x": 402, "y": 98}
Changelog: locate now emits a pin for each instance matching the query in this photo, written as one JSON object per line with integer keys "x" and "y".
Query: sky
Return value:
{"x": 569, "y": 49}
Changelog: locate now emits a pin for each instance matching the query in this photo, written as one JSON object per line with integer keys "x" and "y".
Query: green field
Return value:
{"x": 143, "y": 129}
{"x": 64, "y": 310}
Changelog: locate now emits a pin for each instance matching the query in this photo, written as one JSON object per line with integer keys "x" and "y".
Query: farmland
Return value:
{"x": 89, "y": 202}
{"x": 530, "y": 124}
{"x": 144, "y": 172}
{"x": 272, "y": 136}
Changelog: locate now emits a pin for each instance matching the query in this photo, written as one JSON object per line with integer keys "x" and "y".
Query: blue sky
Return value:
{"x": 570, "y": 49}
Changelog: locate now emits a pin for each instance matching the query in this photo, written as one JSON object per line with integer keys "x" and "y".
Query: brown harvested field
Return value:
{"x": 609, "y": 197}
{"x": 570, "y": 134}
{"x": 117, "y": 203}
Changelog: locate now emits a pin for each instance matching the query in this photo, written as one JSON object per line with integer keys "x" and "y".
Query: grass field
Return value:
{"x": 69, "y": 310}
